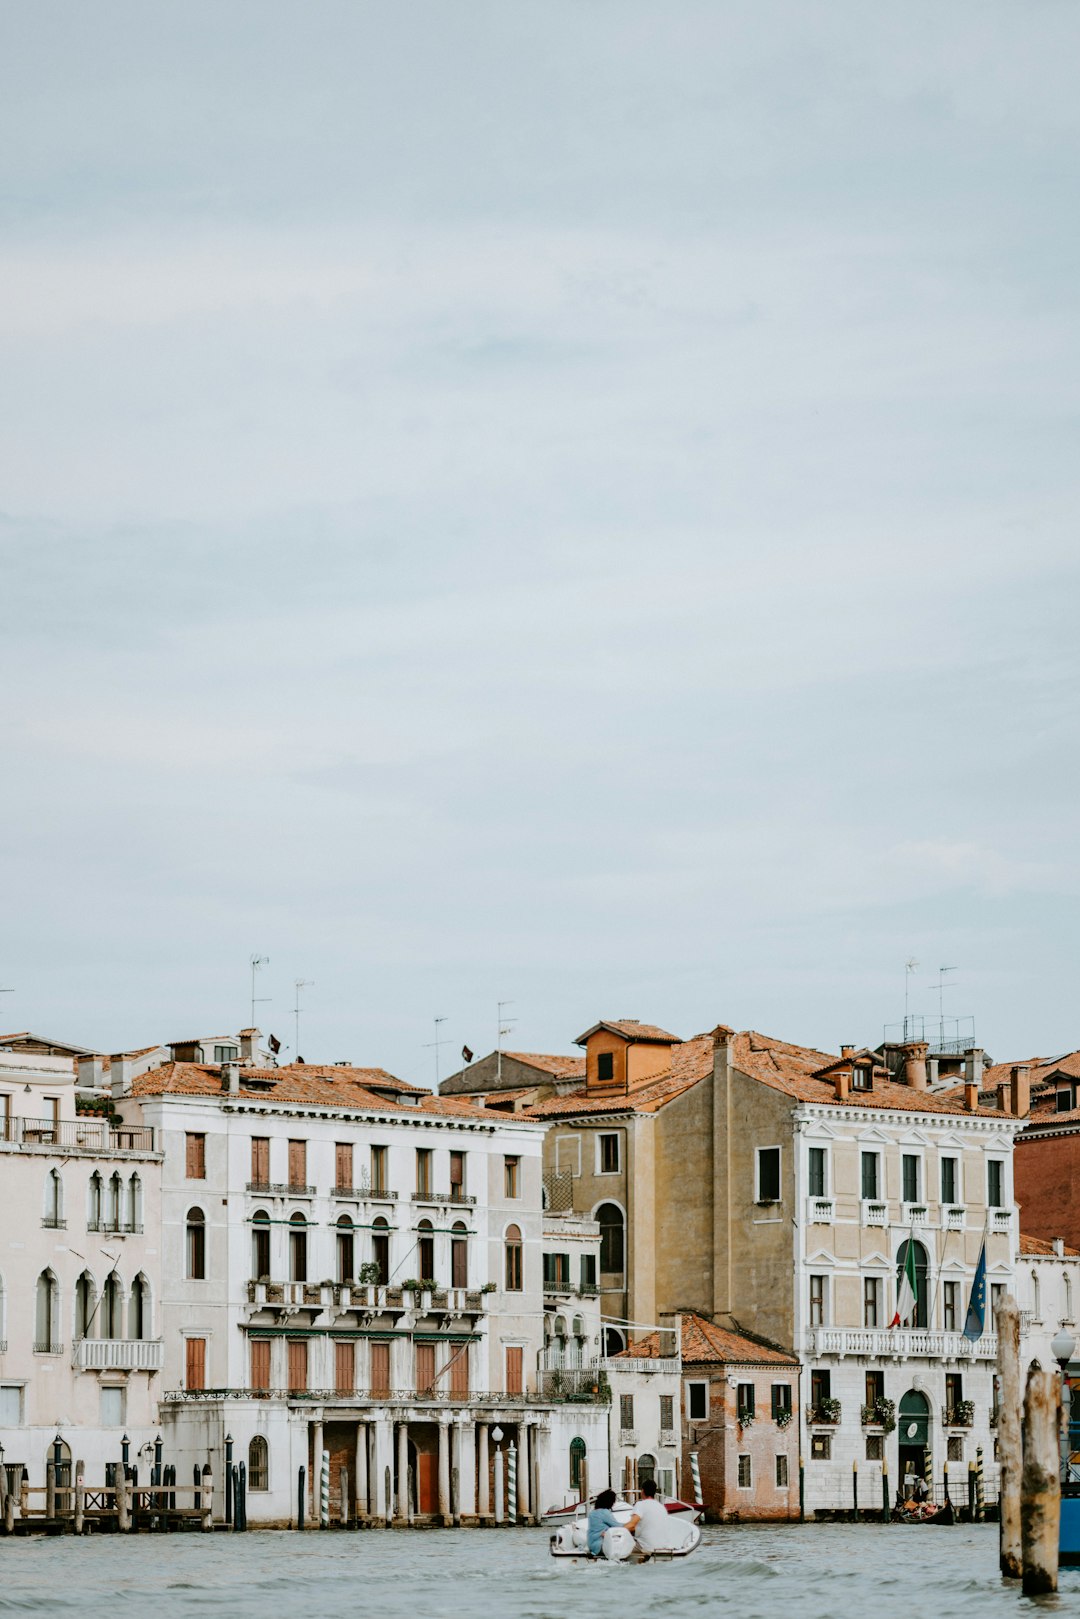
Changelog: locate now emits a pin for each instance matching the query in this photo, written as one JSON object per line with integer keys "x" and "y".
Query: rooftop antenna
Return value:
{"x": 941, "y": 986}
{"x": 433, "y": 1045}
{"x": 504, "y": 1024}
{"x": 256, "y": 963}
{"x": 301, "y": 984}
{"x": 910, "y": 966}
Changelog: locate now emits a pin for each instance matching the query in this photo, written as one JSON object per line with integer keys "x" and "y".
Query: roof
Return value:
{"x": 1040, "y": 1069}
{"x": 1036, "y": 1246}
{"x": 359, "y": 1088}
{"x": 26, "y": 1041}
{"x": 703, "y": 1342}
{"x": 691, "y": 1061}
{"x": 558, "y": 1067}
{"x": 630, "y": 1029}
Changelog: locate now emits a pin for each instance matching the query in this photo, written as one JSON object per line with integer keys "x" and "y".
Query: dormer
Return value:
{"x": 854, "y": 1071}
{"x": 623, "y": 1053}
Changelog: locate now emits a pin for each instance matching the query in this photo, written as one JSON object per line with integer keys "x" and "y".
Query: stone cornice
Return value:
{"x": 807, "y": 1112}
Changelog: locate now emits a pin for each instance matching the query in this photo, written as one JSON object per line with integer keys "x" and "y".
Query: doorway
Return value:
{"x": 913, "y": 1431}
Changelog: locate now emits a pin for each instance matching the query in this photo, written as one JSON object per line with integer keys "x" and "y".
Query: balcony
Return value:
{"x": 914, "y": 1214}
{"x": 627, "y": 1436}
{"x": 874, "y": 1213}
{"x": 952, "y": 1217}
{"x": 279, "y": 1189}
{"x": 116, "y": 1228}
{"x": 459, "y": 1199}
{"x": 626, "y": 1363}
{"x": 119, "y": 1355}
{"x": 669, "y": 1439}
{"x": 820, "y": 1210}
{"x": 82, "y": 1135}
{"x": 363, "y": 1194}
{"x": 898, "y": 1343}
{"x": 1001, "y": 1220}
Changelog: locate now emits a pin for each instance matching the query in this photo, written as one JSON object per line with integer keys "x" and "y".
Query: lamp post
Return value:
{"x": 1062, "y": 1348}
{"x": 497, "y": 1434}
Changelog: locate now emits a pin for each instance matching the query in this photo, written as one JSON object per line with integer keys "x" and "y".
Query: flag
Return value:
{"x": 907, "y": 1294}
{"x": 975, "y": 1324}
{"x": 466, "y": 1054}
{"x": 275, "y": 1044}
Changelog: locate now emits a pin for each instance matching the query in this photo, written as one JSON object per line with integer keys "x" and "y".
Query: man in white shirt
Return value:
{"x": 653, "y": 1531}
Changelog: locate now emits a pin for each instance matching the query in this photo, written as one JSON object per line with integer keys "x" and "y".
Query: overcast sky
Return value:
{"x": 571, "y": 503}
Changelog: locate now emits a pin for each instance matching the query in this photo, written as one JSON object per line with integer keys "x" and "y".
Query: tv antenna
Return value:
{"x": 300, "y": 984}
{"x": 941, "y": 986}
{"x": 910, "y": 966}
{"x": 504, "y": 1024}
{"x": 257, "y": 962}
{"x": 433, "y": 1045}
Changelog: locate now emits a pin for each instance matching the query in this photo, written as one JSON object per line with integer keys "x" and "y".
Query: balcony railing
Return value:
{"x": 363, "y": 1194}
{"x": 76, "y": 1135}
{"x": 359, "y": 1397}
{"x": 899, "y": 1343}
{"x": 875, "y": 1213}
{"x": 627, "y": 1363}
{"x": 579, "y": 1383}
{"x": 279, "y": 1189}
{"x": 119, "y": 1355}
{"x": 820, "y": 1210}
{"x": 116, "y": 1228}
{"x": 454, "y": 1197}
{"x": 627, "y": 1436}
{"x": 46, "y": 1346}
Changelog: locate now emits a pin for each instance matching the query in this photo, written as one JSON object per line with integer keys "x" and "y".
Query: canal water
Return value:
{"x": 811, "y": 1571}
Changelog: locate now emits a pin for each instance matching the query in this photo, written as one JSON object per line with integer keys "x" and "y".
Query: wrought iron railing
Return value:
{"x": 280, "y": 1189}
{"x": 76, "y": 1135}
{"x": 459, "y": 1198}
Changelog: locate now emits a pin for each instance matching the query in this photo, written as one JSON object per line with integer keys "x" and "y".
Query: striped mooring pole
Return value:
{"x": 980, "y": 1499}
{"x": 324, "y": 1491}
{"x": 695, "y": 1474}
{"x": 511, "y": 1482}
{"x": 928, "y": 1469}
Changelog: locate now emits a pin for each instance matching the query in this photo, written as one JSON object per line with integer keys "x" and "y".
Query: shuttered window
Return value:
{"x": 260, "y": 1363}
{"x": 514, "y": 1357}
{"x": 425, "y": 1367}
{"x": 380, "y": 1368}
{"x": 195, "y": 1363}
{"x": 343, "y": 1170}
{"x": 260, "y": 1160}
{"x": 297, "y": 1163}
{"x": 298, "y": 1364}
{"x": 458, "y": 1374}
{"x": 344, "y": 1366}
{"x": 195, "y": 1157}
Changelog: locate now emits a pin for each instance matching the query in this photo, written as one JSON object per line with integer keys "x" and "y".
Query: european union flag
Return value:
{"x": 975, "y": 1324}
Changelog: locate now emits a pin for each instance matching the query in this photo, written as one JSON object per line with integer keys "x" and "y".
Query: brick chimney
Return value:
{"x": 847, "y": 1051}
{"x": 249, "y": 1047}
{"x": 915, "y": 1064}
{"x": 971, "y": 1097}
{"x": 1020, "y": 1090}
{"x": 121, "y": 1075}
{"x": 843, "y": 1079}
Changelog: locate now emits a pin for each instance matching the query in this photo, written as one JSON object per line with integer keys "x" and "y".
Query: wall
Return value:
{"x": 1047, "y": 1170}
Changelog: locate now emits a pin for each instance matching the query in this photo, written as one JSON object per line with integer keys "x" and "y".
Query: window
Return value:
{"x": 380, "y": 1248}
{"x": 821, "y": 1447}
{"x": 768, "y": 1175}
{"x": 260, "y": 1364}
{"x": 872, "y": 1301}
{"x": 744, "y": 1401}
{"x": 819, "y": 1182}
{"x": 139, "y": 1309}
{"x": 195, "y": 1157}
{"x": 744, "y": 1472}
{"x": 298, "y": 1166}
{"x": 260, "y": 1161}
{"x": 226, "y": 1053}
{"x": 425, "y": 1368}
{"x": 954, "y": 1394}
{"x": 258, "y": 1469}
{"x": 955, "y": 1447}
{"x": 195, "y": 1363}
{"x": 297, "y": 1248}
{"x": 511, "y": 1176}
{"x": 112, "y": 1326}
{"x": 951, "y": 1311}
{"x": 115, "y": 1198}
{"x": 54, "y": 1200}
{"x": 875, "y": 1447}
{"x": 343, "y": 1171}
{"x": 612, "y": 1239}
{"x": 111, "y": 1407}
{"x": 512, "y": 1251}
{"x": 909, "y": 1166}
{"x": 820, "y": 1386}
{"x": 557, "y": 1273}
{"x": 871, "y": 1176}
{"x": 605, "y": 1067}
{"x": 298, "y": 1365}
{"x": 995, "y": 1183}
{"x": 818, "y": 1297}
{"x": 95, "y": 1202}
{"x": 626, "y": 1412}
{"x": 997, "y": 1293}
{"x": 697, "y": 1401}
{"x": 608, "y": 1148}
{"x": 588, "y": 1273}
{"x": 862, "y": 1079}
{"x": 10, "y": 1405}
{"x": 781, "y": 1473}
{"x": 423, "y": 1171}
{"x": 457, "y": 1177}
{"x": 458, "y": 1372}
{"x": 84, "y": 1304}
{"x": 514, "y": 1360}
{"x": 919, "y": 1315}
{"x": 948, "y": 1180}
{"x": 780, "y": 1400}
{"x": 667, "y": 1413}
{"x": 875, "y": 1388}
{"x": 380, "y": 1368}
{"x": 346, "y": 1250}
{"x": 425, "y": 1251}
{"x": 577, "y": 1464}
{"x": 1063, "y": 1101}
{"x": 196, "y": 1245}
{"x": 260, "y": 1246}
{"x": 344, "y": 1366}
{"x": 459, "y": 1255}
{"x": 378, "y": 1169}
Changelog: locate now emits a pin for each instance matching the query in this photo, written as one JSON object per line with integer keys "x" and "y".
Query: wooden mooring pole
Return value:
{"x": 1040, "y": 1485}
{"x": 80, "y": 1498}
{"x": 1008, "y": 1433}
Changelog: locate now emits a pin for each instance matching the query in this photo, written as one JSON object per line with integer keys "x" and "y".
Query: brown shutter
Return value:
{"x": 196, "y": 1363}
{"x": 459, "y": 1262}
{"x": 343, "y": 1166}
{"x": 380, "y": 1368}
{"x": 459, "y": 1370}
{"x": 344, "y": 1367}
{"x": 298, "y": 1363}
{"x": 513, "y": 1369}
{"x": 297, "y": 1163}
{"x": 195, "y": 1167}
{"x": 425, "y": 1367}
{"x": 457, "y": 1175}
{"x": 260, "y": 1160}
{"x": 260, "y": 1363}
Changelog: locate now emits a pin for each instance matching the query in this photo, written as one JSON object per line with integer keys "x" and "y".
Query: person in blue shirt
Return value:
{"x": 601, "y": 1517}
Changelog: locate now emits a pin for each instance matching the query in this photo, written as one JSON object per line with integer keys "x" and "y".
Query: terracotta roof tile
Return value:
{"x": 1036, "y": 1245}
{"x": 631, "y": 1029}
{"x": 558, "y": 1067}
{"x": 335, "y": 1087}
{"x": 704, "y": 1342}
{"x": 1040, "y": 1068}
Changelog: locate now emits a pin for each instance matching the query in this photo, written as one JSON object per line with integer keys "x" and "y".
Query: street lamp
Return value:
{"x": 1061, "y": 1348}
{"x": 497, "y": 1436}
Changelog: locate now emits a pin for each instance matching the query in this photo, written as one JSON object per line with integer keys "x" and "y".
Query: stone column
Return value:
{"x": 403, "y": 1472}
{"x": 523, "y": 1471}
{"x": 315, "y": 1470}
{"x": 444, "y": 1471}
{"x": 382, "y": 1489}
{"x": 483, "y": 1481}
{"x": 466, "y": 1459}
{"x": 363, "y": 1506}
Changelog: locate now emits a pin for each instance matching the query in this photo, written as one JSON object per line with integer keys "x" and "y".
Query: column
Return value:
{"x": 363, "y": 1506}
{"x": 523, "y": 1471}
{"x": 444, "y": 1471}
{"x": 534, "y": 1470}
{"x": 315, "y": 1470}
{"x": 382, "y": 1488}
{"x": 483, "y": 1482}
{"x": 466, "y": 1501}
{"x": 403, "y": 1472}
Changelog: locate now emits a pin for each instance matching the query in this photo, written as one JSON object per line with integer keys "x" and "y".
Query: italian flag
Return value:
{"x": 907, "y": 1293}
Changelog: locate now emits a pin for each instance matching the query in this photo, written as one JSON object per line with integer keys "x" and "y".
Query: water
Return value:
{"x": 812, "y": 1571}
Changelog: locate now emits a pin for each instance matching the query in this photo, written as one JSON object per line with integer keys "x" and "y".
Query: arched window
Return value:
{"x": 115, "y": 1211}
{"x": 612, "y": 1239}
{"x": 1036, "y": 1295}
{"x": 134, "y": 1215}
{"x": 297, "y": 1248}
{"x": 578, "y": 1452}
{"x": 646, "y": 1469}
{"x": 196, "y": 1245}
{"x": 512, "y": 1247}
{"x": 459, "y": 1255}
{"x": 54, "y": 1199}
{"x": 579, "y": 1326}
{"x": 560, "y": 1326}
{"x": 1066, "y": 1279}
{"x": 260, "y": 1245}
{"x": 919, "y": 1315}
{"x": 47, "y": 1316}
{"x": 139, "y": 1308}
{"x": 112, "y": 1314}
{"x": 258, "y": 1472}
{"x": 614, "y": 1342}
{"x": 84, "y": 1305}
{"x": 425, "y": 1251}
{"x": 346, "y": 1267}
{"x": 95, "y": 1202}
{"x": 380, "y": 1248}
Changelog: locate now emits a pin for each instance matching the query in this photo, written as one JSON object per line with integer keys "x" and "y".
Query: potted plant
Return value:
{"x": 746, "y": 1417}
{"x": 961, "y": 1415}
{"x": 827, "y": 1410}
{"x": 783, "y": 1417}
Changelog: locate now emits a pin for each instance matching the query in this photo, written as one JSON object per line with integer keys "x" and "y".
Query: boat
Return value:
{"x": 554, "y": 1516}
{"x": 618, "y": 1545}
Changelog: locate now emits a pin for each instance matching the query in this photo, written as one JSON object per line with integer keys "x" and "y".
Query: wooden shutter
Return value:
{"x": 344, "y": 1366}
{"x": 457, "y": 1175}
{"x": 425, "y": 1367}
{"x": 380, "y": 1368}
{"x": 297, "y": 1163}
{"x": 260, "y": 1363}
{"x": 514, "y": 1356}
{"x": 459, "y": 1262}
{"x": 298, "y": 1363}
{"x": 196, "y": 1363}
{"x": 260, "y": 1160}
{"x": 343, "y": 1166}
{"x": 195, "y": 1168}
{"x": 459, "y": 1370}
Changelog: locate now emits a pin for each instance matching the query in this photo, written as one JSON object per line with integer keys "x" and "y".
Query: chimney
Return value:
{"x": 1059, "y": 1247}
{"x": 847, "y": 1051}
{"x": 843, "y": 1079}
{"x": 91, "y": 1073}
{"x": 971, "y": 1097}
{"x": 249, "y": 1047}
{"x": 122, "y": 1076}
{"x": 974, "y": 1065}
{"x": 915, "y": 1064}
{"x": 230, "y": 1077}
{"x": 1020, "y": 1090}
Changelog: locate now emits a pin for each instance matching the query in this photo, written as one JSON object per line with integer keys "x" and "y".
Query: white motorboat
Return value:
{"x": 556, "y": 1516}
{"x": 571, "y": 1539}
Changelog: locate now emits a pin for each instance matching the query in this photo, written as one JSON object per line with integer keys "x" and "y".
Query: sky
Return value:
{"x": 572, "y": 504}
